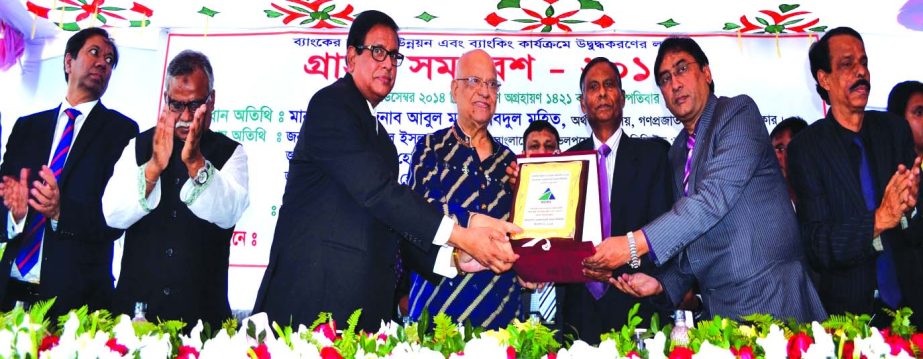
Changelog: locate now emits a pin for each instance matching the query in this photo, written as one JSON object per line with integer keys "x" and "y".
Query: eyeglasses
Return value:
{"x": 678, "y": 71}
{"x": 179, "y": 106}
{"x": 379, "y": 53}
{"x": 780, "y": 148}
{"x": 474, "y": 81}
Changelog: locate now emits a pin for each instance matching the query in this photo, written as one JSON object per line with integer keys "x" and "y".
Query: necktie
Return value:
{"x": 545, "y": 301}
{"x": 28, "y": 254}
{"x": 690, "y": 144}
{"x": 597, "y": 289}
{"x": 886, "y": 272}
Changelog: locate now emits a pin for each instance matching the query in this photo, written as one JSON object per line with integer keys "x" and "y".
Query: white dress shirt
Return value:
{"x": 15, "y": 228}
{"x": 222, "y": 199}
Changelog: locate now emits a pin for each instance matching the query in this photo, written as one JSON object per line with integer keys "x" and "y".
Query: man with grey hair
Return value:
{"x": 178, "y": 190}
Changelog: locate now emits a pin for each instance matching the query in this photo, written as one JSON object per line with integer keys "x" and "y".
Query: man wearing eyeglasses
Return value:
{"x": 732, "y": 229}
{"x": 344, "y": 214}
{"x": 54, "y": 170}
{"x": 178, "y": 190}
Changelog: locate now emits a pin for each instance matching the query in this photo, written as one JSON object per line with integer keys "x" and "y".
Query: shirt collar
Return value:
{"x": 613, "y": 140}
{"x": 84, "y": 108}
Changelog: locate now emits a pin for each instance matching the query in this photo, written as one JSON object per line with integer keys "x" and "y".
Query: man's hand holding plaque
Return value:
{"x": 486, "y": 245}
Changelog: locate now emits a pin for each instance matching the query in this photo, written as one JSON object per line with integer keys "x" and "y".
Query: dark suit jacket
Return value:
{"x": 337, "y": 236}
{"x": 735, "y": 233}
{"x": 641, "y": 191}
{"x": 835, "y": 222}
{"x": 77, "y": 258}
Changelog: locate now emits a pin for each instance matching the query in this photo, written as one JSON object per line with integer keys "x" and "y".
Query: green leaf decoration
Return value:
{"x": 272, "y": 14}
{"x": 82, "y": 2}
{"x": 547, "y": 28}
{"x": 670, "y": 23}
{"x": 307, "y": 21}
{"x": 111, "y": 8}
{"x": 507, "y": 4}
{"x": 101, "y": 18}
{"x": 300, "y": 9}
{"x": 549, "y": 12}
{"x": 775, "y": 29}
{"x": 792, "y": 22}
{"x": 762, "y": 21}
{"x": 425, "y": 16}
{"x": 526, "y": 21}
{"x": 788, "y": 7}
{"x": 329, "y": 8}
{"x": 591, "y": 5}
{"x": 818, "y": 29}
{"x": 336, "y": 21}
{"x": 569, "y": 21}
{"x": 731, "y": 26}
{"x": 139, "y": 23}
{"x": 207, "y": 12}
{"x": 68, "y": 8}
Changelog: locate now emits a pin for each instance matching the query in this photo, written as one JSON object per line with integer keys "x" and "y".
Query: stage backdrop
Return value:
{"x": 264, "y": 80}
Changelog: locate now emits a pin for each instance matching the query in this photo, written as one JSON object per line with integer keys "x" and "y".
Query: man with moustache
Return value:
{"x": 540, "y": 138}
{"x": 178, "y": 190}
{"x": 461, "y": 170}
{"x": 54, "y": 171}
{"x": 727, "y": 182}
{"x": 344, "y": 214}
{"x": 855, "y": 190}
{"x": 635, "y": 177}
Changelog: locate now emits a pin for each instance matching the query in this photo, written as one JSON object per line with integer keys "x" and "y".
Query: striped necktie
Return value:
{"x": 690, "y": 144}
{"x": 28, "y": 254}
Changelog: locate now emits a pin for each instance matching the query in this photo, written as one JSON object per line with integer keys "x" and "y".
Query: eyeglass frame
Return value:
{"x": 477, "y": 82}
{"x": 187, "y": 105}
{"x": 677, "y": 70}
{"x": 396, "y": 57}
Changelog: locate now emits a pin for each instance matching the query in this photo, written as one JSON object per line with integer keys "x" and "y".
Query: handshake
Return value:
{"x": 477, "y": 254}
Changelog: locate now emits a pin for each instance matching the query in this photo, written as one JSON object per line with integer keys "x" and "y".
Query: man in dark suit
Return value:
{"x": 855, "y": 192}
{"x": 179, "y": 223}
{"x": 344, "y": 214}
{"x": 54, "y": 171}
{"x": 639, "y": 191}
{"x": 732, "y": 228}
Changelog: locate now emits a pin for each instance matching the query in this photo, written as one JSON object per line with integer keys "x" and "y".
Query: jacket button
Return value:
{"x": 483, "y": 205}
{"x": 174, "y": 213}
{"x": 169, "y": 252}
{"x": 483, "y": 186}
{"x": 167, "y": 291}
{"x": 177, "y": 181}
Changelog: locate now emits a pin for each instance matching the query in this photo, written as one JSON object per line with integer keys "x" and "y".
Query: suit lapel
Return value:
{"x": 704, "y": 132}
{"x": 841, "y": 168}
{"x": 46, "y": 124}
{"x": 881, "y": 150}
{"x": 92, "y": 126}
{"x": 678, "y": 161}
{"x": 622, "y": 177}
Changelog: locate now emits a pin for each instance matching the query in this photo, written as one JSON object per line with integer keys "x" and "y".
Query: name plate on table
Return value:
{"x": 557, "y": 205}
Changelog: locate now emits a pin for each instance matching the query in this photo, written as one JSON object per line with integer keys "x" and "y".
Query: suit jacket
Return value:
{"x": 641, "y": 191}
{"x": 835, "y": 222}
{"x": 735, "y": 232}
{"x": 342, "y": 217}
{"x": 77, "y": 258}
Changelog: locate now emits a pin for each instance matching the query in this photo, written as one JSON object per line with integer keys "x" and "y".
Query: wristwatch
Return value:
{"x": 201, "y": 176}
{"x": 634, "y": 262}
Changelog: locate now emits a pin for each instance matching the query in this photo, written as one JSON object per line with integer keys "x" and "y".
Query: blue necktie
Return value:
{"x": 887, "y": 274}
{"x": 28, "y": 254}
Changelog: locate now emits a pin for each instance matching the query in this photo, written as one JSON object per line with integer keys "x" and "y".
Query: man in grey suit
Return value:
{"x": 726, "y": 183}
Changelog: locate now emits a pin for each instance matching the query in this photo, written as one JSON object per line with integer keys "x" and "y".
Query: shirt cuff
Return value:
{"x": 650, "y": 248}
{"x": 54, "y": 225}
{"x": 443, "y": 265}
{"x": 14, "y": 228}
{"x": 191, "y": 191}
{"x": 149, "y": 202}
{"x": 444, "y": 232}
